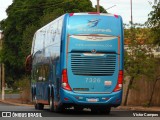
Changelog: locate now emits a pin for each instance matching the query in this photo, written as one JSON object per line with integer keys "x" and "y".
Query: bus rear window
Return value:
{"x": 94, "y": 24}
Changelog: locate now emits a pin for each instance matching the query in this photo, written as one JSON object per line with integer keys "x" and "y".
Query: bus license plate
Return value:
{"x": 92, "y": 100}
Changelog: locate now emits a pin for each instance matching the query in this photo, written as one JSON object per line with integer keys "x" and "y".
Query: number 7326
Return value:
{"x": 93, "y": 80}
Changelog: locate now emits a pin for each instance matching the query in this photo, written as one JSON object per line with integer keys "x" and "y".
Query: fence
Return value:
{"x": 141, "y": 95}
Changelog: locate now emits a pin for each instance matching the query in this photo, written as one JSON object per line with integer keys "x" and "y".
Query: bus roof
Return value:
{"x": 94, "y": 13}
{"x": 70, "y": 15}
{"x": 94, "y": 23}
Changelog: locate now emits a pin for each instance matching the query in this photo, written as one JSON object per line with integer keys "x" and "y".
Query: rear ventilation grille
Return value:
{"x": 93, "y": 65}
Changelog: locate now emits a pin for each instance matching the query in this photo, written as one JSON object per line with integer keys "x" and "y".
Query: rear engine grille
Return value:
{"x": 93, "y": 65}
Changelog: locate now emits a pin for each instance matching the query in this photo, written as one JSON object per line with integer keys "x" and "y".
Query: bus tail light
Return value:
{"x": 120, "y": 81}
{"x": 65, "y": 83}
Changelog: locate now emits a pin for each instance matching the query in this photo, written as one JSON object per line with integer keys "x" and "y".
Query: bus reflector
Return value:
{"x": 65, "y": 83}
{"x": 120, "y": 81}
{"x": 115, "y": 15}
{"x": 66, "y": 99}
{"x": 71, "y": 14}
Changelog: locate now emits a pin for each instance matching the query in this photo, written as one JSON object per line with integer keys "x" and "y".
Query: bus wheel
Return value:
{"x": 51, "y": 103}
{"x": 94, "y": 110}
{"x": 106, "y": 110}
{"x": 36, "y": 106}
{"x": 59, "y": 109}
{"x": 78, "y": 108}
{"x": 34, "y": 98}
{"x": 39, "y": 106}
{"x": 35, "y": 102}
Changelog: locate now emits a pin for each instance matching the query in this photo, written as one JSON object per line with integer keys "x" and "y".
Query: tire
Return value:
{"x": 35, "y": 106}
{"x": 33, "y": 94}
{"x": 105, "y": 110}
{"x": 51, "y": 103}
{"x": 94, "y": 111}
{"x": 52, "y": 106}
{"x": 58, "y": 109}
{"x": 38, "y": 106}
{"x": 78, "y": 108}
{"x": 35, "y": 102}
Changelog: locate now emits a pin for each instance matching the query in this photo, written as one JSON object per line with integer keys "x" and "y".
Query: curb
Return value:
{"x": 139, "y": 108}
{"x": 132, "y": 108}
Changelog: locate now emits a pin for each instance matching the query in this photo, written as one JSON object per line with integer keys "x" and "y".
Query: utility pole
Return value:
{"x": 0, "y": 62}
{"x": 3, "y": 81}
{"x": 0, "y": 77}
{"x": 98, "y": 9}
{"x": 131, "y": 14}
{"x": 2, "y": 70}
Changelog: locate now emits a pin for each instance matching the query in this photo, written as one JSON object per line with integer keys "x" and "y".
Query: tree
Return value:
{"x": 24, "y": 18}
{"x": 19, "y": 16}
{"x": 154, "y": 80}
{"x": 155, "y": 1}
{"x": 102, "y": 10}
{"x": 139, "y": 59}
{"x": 154, "y": 23}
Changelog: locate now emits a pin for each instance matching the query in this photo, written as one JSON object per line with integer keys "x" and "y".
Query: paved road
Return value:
{"x": 71, "y": 114}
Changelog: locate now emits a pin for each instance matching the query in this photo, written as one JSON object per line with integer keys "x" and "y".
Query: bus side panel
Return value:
{"x": 46, "y": 59}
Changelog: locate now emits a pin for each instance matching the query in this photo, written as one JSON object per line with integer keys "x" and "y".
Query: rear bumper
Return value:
{"x": 113, "y": 99}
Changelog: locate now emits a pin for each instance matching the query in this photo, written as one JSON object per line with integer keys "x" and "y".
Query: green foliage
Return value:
{"x": 24, "y": 18}
{"x": 102, "y": 10}
{"x": 139, "y": 59}
{"x": 24, "y": 86}
{"x": 154, "y": 23}
{"x": 82, "y": 6}
{"x": 11, "y": 92}
{"x": 146, "y": 104}
{"x": 23, "y": 83}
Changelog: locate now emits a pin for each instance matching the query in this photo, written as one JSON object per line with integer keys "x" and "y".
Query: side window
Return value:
{"x": 47, "y": 69}
{"x": 54, "y": 32}
{"x": 43, "y": 73}
{"x": 40, "y": 73}
{"x": 40, "y": 40}
{"x": 60, "y": 26}
{"x": 34, "y": 75}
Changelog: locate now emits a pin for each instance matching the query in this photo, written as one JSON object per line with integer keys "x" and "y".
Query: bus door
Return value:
{"x": 56, "y": 82}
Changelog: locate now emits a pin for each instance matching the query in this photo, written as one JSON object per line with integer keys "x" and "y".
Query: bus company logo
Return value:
{"x": 93, "y": 22}
{"x": 6, "y": 114}
{"x": 93, "y": 51}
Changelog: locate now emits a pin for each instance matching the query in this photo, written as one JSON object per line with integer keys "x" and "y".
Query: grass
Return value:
{"x": 11, "y": 92}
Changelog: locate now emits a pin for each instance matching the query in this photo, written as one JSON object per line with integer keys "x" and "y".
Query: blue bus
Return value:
{"x": 77, "y": 62}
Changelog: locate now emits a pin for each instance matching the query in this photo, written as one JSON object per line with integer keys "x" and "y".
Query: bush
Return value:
{"x": 24, "y": 86}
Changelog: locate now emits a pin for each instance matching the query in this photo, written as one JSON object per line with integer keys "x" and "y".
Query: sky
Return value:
{"x": 141, "y": 9}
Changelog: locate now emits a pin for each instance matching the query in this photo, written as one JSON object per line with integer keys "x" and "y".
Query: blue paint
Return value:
{"x": 87, "y": 46}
